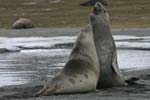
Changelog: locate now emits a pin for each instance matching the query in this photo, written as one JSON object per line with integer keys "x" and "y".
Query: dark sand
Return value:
{"x": 140, "y": 91}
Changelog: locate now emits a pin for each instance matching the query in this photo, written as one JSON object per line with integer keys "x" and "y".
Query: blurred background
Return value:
{"x": 69, "y": 13}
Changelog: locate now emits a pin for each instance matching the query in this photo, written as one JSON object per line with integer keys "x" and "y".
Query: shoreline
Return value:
{"x": 52, "y": 32}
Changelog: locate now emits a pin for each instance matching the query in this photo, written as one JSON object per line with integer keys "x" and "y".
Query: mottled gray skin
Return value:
{"x": 81, "y": 72}
{"x": 110, "y": 75}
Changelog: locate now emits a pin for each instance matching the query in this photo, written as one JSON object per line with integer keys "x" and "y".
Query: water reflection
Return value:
{"x": 19, "y": 68}
{"x": 39, "y": 64}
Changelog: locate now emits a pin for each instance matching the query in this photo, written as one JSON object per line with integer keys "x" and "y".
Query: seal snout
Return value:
{"x": 97, "y": 8}
{"x": 95, "y": 11}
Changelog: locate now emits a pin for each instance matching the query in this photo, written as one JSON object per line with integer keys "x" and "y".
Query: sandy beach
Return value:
{"x": 139, "y": 91}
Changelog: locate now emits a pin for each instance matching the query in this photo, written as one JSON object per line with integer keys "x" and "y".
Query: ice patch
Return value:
{"x": 132, "y": 42}
{"x": 23, "y": 43}
{"x": 51, "y": 52}
{"x": 133, "y": 45}
{"x": 17, "y": 44}
{"x": 124, "y": 37}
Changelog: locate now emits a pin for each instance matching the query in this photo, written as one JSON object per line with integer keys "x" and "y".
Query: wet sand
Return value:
{"x": 139, "y": 91}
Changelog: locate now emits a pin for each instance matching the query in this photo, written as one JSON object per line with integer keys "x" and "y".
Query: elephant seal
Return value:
{"x": 23, "y": 23}
{"x": 110, "y": 75}
{"x": 81, "y": 72}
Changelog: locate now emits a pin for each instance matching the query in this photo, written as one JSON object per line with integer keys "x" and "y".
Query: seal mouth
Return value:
{"x": 95, "y": 11}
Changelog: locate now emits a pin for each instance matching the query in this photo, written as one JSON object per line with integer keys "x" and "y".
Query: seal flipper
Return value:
{"x": 120, "y": 79}
{"x": 130, "y": 80}
{"x": 114, "y": 65}
{"x": 39, "y": 93}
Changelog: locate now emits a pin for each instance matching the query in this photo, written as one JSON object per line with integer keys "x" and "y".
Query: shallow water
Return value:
{"x": 32, "y": 59}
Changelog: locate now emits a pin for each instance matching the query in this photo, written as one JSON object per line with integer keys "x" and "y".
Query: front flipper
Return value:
{"x": 130, "y": 80}
{"x": 114, "y": 66}
{"x": 120, "y": 79}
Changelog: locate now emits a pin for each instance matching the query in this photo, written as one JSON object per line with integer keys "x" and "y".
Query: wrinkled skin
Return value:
{"x": 110, "y": 75}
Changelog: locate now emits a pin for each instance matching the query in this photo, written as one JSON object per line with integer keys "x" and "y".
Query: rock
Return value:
{"x": 23, "y": 23}
{"x": 92, "y": 2}
{"x": 10, "y": 49}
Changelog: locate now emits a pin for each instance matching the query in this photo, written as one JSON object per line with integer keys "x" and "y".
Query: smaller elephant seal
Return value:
{"x": 81, "y": 72}
{"x": 110, "y": 75}
{"x": 23, "y": 23}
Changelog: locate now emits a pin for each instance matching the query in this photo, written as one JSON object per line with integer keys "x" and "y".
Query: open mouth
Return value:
{"x": 98, "y": 8}
{"x": 95, "y": 11}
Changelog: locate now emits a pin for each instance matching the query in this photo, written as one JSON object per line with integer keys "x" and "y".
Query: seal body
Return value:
{"x": 110, "y": 75}
{"x": 81, "y": 72}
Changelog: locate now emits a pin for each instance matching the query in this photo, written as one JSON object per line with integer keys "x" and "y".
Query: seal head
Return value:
{"x": 99, "y": 12}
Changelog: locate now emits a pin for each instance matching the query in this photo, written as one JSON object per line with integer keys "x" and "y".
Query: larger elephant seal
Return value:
{"x": 110, "y": 75}
{"x": 81, "y": 72}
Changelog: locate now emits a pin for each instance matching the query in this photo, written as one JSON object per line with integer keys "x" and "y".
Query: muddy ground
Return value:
{"x": 139, "y": 91}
